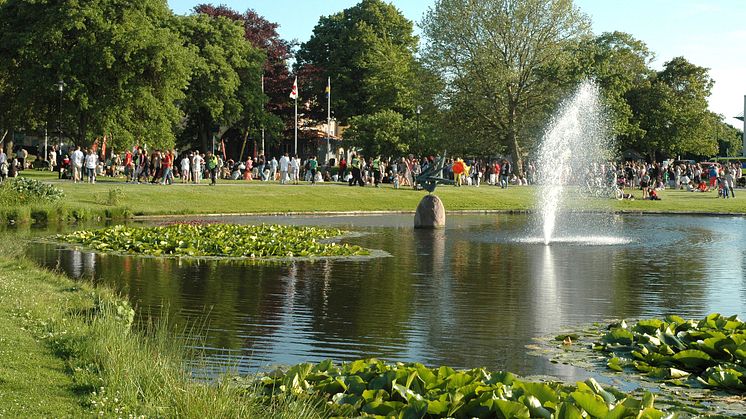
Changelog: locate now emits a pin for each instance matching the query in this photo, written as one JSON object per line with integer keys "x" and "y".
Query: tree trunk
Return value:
{"x": 515, "y": 148}
{"x": 9, "y": 144}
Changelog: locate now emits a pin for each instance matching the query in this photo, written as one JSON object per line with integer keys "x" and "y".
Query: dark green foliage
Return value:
{"x": 122, "y": 65}
{"x": 226, "y": 240}
{"x": 372, "y": 387}
{"x": 710, "y": 352}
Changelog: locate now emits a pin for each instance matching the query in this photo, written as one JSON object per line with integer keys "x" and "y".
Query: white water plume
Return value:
{"x": 575, "y": 140}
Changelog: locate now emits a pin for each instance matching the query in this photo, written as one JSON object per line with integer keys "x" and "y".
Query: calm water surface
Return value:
{"x": 473, "y": 294}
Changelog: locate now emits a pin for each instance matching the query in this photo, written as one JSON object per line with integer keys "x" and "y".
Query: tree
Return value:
{"x": 368, "y": 51}
{"x": 618, "y": 63}
{"x": 506, "y": 63}
{"x": 672, "y": 111}
{"x": 226, "y": 72}
{"x": 123, "y": 68}
{"x": 263, "y": 35}
{"x": 384, "y": 133}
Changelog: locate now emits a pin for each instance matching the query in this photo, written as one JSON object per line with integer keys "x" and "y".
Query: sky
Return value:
{"x": 708, "y": 33}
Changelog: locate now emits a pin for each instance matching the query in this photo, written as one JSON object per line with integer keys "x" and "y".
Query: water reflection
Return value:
{"x": 466, "y": 296}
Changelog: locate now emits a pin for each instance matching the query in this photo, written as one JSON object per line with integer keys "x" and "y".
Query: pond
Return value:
{"x": 473, "y": 294}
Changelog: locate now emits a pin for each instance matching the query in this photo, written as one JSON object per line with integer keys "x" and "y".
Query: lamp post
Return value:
{"x": 418, "y": 111}
{"x": 61, "y": 87}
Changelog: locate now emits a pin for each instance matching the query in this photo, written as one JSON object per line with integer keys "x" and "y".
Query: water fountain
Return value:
{"x": 576, "y": 139}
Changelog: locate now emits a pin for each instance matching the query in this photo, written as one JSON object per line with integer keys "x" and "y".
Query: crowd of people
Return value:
{"x": 167, "y": 166}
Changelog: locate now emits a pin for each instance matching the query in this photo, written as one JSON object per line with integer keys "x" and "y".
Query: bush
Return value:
{"x": 22, "y": 191}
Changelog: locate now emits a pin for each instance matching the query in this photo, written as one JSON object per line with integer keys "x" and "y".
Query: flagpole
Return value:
{"x": 328, "y": 115}
{"x": 296, "y": 125}
{"x": 263, "y": 150}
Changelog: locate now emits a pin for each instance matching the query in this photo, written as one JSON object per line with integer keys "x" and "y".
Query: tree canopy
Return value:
{"x": 123, "y": 68}
{"x": 368, "y": 51}
{"x": 505, "y": 63}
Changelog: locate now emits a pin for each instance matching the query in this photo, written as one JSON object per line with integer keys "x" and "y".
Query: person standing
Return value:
{"x": 260, "y": 163}
{"x": 166, "y": 164}
{"x": 506, "y": 170}
{"x": 295, "y": 169}
{"x": 212, "y": 167}
{"x": 376, "y": 171}
{"x": 273, "y": 169}
{"x": 52, "y": 159}
{"x": 284, "y": 163}
{"x": 22, "y": 155}
{"x": 197, "y": 167}
{"x": 3, "y": 165}
{"x": 77, "y": 164}
{"x": 91, "y": 161}
{"x": 312, "y": 167}
{"x": 186, "y": 172}
{"x": 356, "y": 165}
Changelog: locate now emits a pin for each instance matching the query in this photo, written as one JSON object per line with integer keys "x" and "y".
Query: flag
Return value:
{"x": 328, "y": 89}
{"x": 294, "y": 93}
{"x": 103, "y": 149}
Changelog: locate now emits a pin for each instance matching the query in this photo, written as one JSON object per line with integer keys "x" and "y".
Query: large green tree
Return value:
{"x": 225, "y": 87}
{"x": 506, "y": 62}
{"x": 384, "y": 133}
{"x": 368, "y": 51}
{"x": 618, "y": 63}
{"x": 673, "y": 112}
{"x": 123, "y": 68}
{"x": 263, "y": 35}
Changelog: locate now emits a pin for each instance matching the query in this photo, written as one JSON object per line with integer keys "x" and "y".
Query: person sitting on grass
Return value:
{"x": 653, "y": 195}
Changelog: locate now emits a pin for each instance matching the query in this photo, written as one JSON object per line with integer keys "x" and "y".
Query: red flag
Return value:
{"x": 103, "y": 149}
{"x": 294, "y": 92}
{"x": 222, "y": 142}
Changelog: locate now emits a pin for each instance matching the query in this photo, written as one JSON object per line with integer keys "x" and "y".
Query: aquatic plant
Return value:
{"x": 710, "y": 352}
{"x": 222, "y": 240}
{"x": 373, "y": 387}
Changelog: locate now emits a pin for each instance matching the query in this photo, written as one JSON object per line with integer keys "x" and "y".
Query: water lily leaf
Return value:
{"x": 568, "y": 411}
{"x": 591, "y": 403}
{"x": 648, "y": 326}
{"x": 508, "y": 409}
{"x": 615, "y": 364}
{"x": 437, "y": 408}
{"x": 536, "y": 409}
{"x": 542, "y": 392}
{"x": 693, "y": 358}
{"x": 382, "y": 408}
{"x": 416, "y": 409}
{"x": 619, "y": 336}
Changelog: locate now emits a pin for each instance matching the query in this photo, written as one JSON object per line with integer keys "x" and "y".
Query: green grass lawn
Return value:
{"x": 262, "y": 197}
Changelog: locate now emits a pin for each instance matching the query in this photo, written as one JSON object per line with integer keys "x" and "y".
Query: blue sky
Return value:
{"x": 710, "y": 33}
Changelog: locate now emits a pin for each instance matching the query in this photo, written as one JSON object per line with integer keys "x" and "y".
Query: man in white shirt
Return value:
{"x": 186, "y": 172}
{"x": 76, "y": 161}
{"x": 284, "y": 163}
{"x": 295, "y": 169}
{"x": 197, "y": 162}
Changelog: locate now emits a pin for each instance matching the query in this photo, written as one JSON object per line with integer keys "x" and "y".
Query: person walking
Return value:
{"x": 313, "y": 165}
{"x": 376, "y": 171}
{"x": 295, "y": 169}
{"x": 76, "y": 160}
{"x": 91, "y": 162}
{"x": 167, "y": 162}
{"x": 506, "y": 169}
{"x": 356, "y": 165}
{"x": 186, "y": 170}
{"x": 284, "y": 165}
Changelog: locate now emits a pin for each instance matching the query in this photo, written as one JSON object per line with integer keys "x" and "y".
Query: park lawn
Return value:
{"x": 262, "y": 197}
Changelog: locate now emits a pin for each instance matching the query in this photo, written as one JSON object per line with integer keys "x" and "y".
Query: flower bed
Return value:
{"x": 217, "y": 240}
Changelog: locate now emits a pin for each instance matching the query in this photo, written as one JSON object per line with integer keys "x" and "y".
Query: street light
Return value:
{"x": 61, "y": 87}
{"x": 418, "y": 111}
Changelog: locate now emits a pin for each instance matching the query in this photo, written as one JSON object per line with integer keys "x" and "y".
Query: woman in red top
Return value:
{"x": 167, "y": 162}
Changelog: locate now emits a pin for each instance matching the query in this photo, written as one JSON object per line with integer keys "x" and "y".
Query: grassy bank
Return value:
{"x": 259, "y": 197}
{"x": 68, "y": 351}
